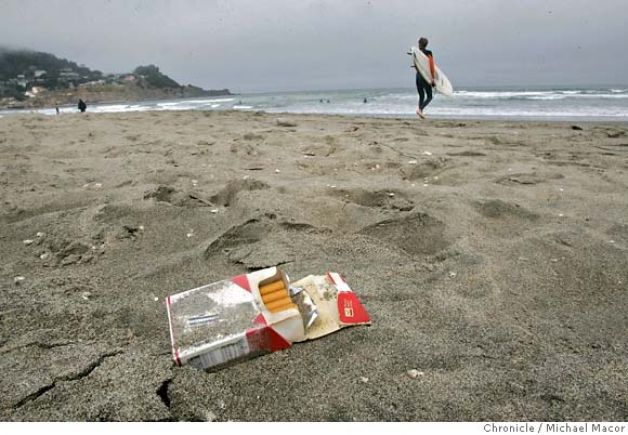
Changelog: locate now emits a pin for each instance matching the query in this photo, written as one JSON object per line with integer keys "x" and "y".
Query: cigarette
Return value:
{"x": 274, "y": 296}
{"x": 273, "y": 286}
{"x": 280, "y": 305}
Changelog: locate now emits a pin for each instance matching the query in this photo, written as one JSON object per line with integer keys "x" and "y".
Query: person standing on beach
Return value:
{"x": 81, "y": 105}
{"x": 424, "y": 87}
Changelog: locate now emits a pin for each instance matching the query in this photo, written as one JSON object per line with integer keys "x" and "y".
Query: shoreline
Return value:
{"x": 560, "y": 120}
{"x": 584, "y": 105}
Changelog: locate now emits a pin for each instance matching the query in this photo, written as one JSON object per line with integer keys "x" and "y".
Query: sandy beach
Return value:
{"x": 492, "y": 257}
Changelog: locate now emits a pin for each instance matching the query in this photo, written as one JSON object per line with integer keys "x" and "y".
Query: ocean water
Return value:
{"x": 598, "y": 104}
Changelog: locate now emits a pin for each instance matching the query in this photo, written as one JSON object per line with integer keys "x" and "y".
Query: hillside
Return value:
{"x": 36, "y": 79}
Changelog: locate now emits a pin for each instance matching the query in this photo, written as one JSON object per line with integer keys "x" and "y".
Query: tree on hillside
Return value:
{"x": 154, "y": 77}
{"x": 17, "y": 62}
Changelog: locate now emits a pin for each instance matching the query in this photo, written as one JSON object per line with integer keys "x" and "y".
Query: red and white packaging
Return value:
{"x": 226, "y": 321}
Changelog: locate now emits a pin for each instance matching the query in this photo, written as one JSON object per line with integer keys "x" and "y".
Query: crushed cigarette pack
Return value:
{"x": 256, "y": 313}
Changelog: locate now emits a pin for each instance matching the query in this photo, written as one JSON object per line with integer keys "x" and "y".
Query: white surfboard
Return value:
{"x": 420, "y": 60}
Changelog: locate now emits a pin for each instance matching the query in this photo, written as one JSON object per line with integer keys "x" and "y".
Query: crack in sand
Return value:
{"x": 397, "y": 151}
{"x": 80, "y": 375}
{"x": 163, "y": 392}
{"x": 42, "y": 345}
{"x": 251, "y": 268}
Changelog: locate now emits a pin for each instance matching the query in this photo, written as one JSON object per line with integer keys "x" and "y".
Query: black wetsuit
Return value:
{"x": 423, "y": 87}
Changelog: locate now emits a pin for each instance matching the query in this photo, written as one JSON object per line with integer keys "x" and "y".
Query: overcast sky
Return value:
{"x": 268, "y": 45}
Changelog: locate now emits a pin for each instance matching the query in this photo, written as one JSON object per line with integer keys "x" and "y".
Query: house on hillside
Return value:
{"x": 21, "y": 80}
{"x": 68, "y": 74}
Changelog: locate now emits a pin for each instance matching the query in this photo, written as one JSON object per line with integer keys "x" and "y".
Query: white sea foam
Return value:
{"x": 539, "y": 95}
{"x": 499, "y": 95}
{"x": 610, "y": 104}
{"x": 111, "y": 108}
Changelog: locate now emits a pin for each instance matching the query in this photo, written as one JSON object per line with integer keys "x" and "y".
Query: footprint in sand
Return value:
{"x": 178, "y": 198}
{"x": 263, "y": 241}
{"x": 416, "y": 234}
{"x": 227, "y": 194}
{"x": 498, "y": 209}
{"x": 530, "y": 178}
{"x": 390, "y": 199}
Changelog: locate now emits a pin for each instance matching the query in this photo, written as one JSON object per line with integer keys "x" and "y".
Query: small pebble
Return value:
{"x": 209, "y": 416}
{"x": 554, "y": 260}
{"x": 281, "y": 122}
{"x": 27, "y": 242}
{"x": 412, "y": 162}
{"x": 40, "y": 234}
{"x": 214, "y": 210}
{"x": 141, "y": 227}
{"x": 86, "y": 295}
{"x": 18, "y": 279}
{"x": 425, "y": 185}
{"x": 452, "y": 274}
{"x": 194, "y": 182}
{"x": 561, "y": 215}
{"x": 156, "y": 299}
{"x": 612, "y": 241}
{"x": 427, "y": 153}
{"x": 277, "y": 171}
{"x": 391, "y": 194}
{"x": 45, "y": 256}
{"x": 98, "y": 185}
{"x": 414, "y": 373}
{"x": 364, "y": 379}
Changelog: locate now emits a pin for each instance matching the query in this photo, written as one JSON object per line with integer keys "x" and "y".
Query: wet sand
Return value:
{"x": 492, "y": 257}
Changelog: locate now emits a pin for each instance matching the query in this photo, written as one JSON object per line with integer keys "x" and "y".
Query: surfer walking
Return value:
{"x": 423, "y": 86}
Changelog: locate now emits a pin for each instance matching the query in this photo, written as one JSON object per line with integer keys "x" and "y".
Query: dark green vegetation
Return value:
{"x": 25, "y": 73}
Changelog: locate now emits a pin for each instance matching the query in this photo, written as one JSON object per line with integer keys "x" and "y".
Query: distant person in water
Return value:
{"x": 82, "y": 106}
{"x": 365, "y": 101}
{"x": 57, "y": 108}
{"x": 423, "y": 86}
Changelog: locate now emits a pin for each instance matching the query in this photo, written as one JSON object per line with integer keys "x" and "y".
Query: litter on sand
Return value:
{"x": 257, "y": 313}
